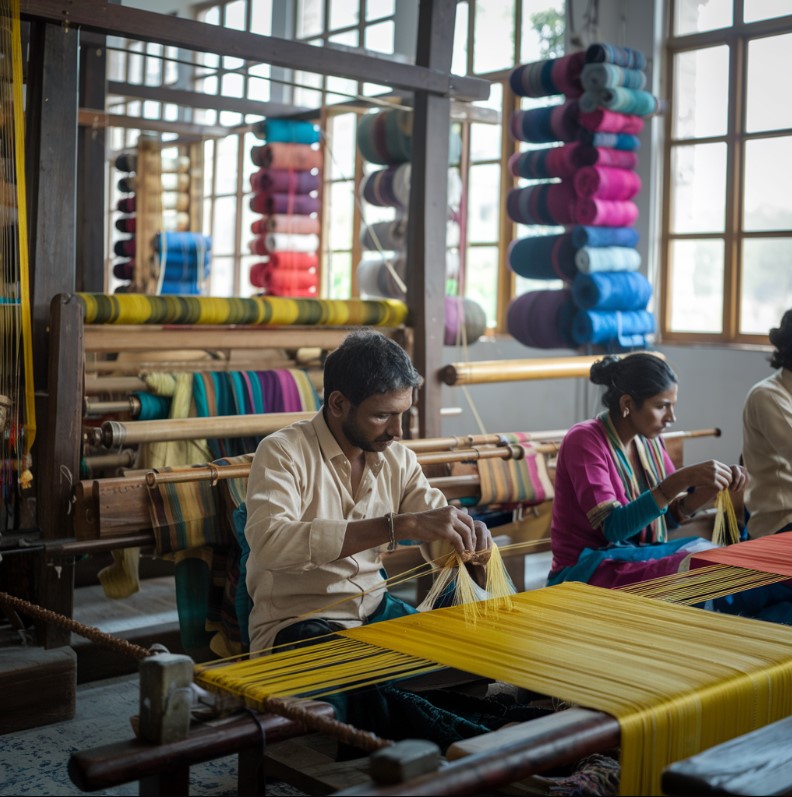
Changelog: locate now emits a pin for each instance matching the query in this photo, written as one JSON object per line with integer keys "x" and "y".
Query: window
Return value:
{"x": 727, "y": 251}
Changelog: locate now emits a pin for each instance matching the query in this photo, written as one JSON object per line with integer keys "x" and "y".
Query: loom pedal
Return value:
{"x": 404, "y": 760}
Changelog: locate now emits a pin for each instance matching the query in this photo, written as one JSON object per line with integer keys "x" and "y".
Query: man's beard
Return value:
{"x": 357, "y": 438}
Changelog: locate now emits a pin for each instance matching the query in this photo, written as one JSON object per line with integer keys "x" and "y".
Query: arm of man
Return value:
{"x": 423, "y": 515}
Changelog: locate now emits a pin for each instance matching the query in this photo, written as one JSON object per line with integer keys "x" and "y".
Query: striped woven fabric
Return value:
{"x": 184, "y": 516}
{"x": 131, "y": 308}
{"x": 514, "y": 483}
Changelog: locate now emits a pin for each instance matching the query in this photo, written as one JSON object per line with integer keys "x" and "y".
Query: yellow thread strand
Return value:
{"x": 726, "y": 530}
{"x": 24, "y": 280}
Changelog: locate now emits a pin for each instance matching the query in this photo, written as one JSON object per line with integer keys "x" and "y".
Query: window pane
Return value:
{"x": 766, "y": 283}
{"x": 485, "y": 142}
{"x": 223, "y": 233}
{"x": 343, "y": 13}
{"x": 261, "y": 17}
{"x": 229, "y": 119}
{"x": 208, "y": 163}
{"x": 226, "y": 182}
{"x": 116, "y": 65}
{"x": 305, "y": 96}
{"x": 698, "y": 188}
{"x": 349, "y": 38}
{"x": 310, "y": 18}
{"x": 543, "y": 29}
{"x": 235, "y": 15}
{"x": 233, "y": 85}
{"x": 207, "y": 85}
{"x": 379, "y": 38}
{"x": 493, "y": 46}
{"x": 221, "y": 276}
{"x": 340, "y": 209}
{"x": 766, "y": 9}
{"x": 481, "y": 279}
{"x": 245, "y": 287}
{"x": 211, "y": 16}
{"x": 484, "y": 203}
{"x": 459, "y": 59}
{"x": 170, "y": 67}
{"x": 258, "y": 89}
{"x": 696, "y": 286}
{"x": 154, "y": 65}
{"x": 701, "y": 83}
{"x": 768, "y": 203}
{"x": 135, "y": 63}
{"x": 170, "y": 112}
{"x": 379, "y": 8}
{"x": 768, "y": 95}
{"x": 339, "y": 275}
{"x": 342, "y": 133}
{"x": 341, "y": 88}
{"x": 151, "y": 110}
{"x": 693, "y": 16}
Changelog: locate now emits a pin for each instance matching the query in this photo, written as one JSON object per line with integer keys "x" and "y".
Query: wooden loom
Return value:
{"x": 516, "y": 752}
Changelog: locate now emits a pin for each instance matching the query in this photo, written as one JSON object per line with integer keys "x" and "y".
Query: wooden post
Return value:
{"x": 51, "y": 172}
{"x": 90, "y": 259}
{"x": 428, "y": 211}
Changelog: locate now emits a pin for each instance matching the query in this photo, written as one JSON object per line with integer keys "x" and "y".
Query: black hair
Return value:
{"x": 781, "y": 338}
{"x": 639, "y": 375}
{"x": 367, "y": 363}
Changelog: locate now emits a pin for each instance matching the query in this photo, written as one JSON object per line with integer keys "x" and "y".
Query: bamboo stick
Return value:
{"x": 115, "y": 433}
{"x": 149, "y": 337}
{"x": 488, "y": 371}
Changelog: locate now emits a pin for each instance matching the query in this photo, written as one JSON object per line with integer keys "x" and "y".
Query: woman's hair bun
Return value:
{"x": 604, "y": 371}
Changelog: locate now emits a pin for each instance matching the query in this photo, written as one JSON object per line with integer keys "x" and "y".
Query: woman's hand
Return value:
{"x": 739, "y": 479}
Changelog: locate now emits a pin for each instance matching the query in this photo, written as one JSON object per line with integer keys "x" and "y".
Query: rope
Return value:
{"x": 87, "y": 631}
{"x": 348, "y": 734}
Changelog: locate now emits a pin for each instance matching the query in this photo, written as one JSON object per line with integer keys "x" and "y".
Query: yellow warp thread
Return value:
{"x": 679, "y": 680}
{"x": 726, "y": 530}
{"x": 26, "y": 477}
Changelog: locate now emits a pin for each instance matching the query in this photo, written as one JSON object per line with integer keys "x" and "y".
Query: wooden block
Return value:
{"x": 406, "y": 759}
{"x": 38, "y": 686}
{"x": 759, "y": 762}
{"x": 165, "y": 697}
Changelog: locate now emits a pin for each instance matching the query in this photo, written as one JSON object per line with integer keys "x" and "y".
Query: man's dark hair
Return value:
{"x": 367, "y": 363}
{"x": 781, "y": 338}
{"x": 639, "y": 375}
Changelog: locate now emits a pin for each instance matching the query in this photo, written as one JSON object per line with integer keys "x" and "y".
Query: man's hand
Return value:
{"x": 446, "y": 524}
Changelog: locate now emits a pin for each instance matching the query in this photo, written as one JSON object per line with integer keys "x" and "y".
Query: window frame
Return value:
{"x": 736, "y": 38}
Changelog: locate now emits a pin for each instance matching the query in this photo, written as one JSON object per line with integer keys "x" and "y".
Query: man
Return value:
{"x": 327, "y": 496}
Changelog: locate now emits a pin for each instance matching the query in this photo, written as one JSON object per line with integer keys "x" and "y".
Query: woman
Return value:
{"x": 616, "y": 489}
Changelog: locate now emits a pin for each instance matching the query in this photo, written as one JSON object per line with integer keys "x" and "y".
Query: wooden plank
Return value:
{"x": 189, "y": 34}
{"x": 428, "y": 209}
{"x": 94, "y": 118}
{"x": 199, "y": 99}
{"x": 759, "y": 762}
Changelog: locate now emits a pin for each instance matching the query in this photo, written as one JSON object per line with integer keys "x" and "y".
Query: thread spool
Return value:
{"x": 462, "y": 313}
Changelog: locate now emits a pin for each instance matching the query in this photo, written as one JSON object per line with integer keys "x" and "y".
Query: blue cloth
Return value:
{"x": 590, "y": 558}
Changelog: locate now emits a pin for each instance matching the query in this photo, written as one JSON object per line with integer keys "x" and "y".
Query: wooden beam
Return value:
{"x": 95, "y": 119}
{"x": 133, "y": 23}
{"x": 199, "y": 99}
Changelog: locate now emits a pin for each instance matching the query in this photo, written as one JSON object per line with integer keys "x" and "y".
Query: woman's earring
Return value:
{"x": 626, "y": 412}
